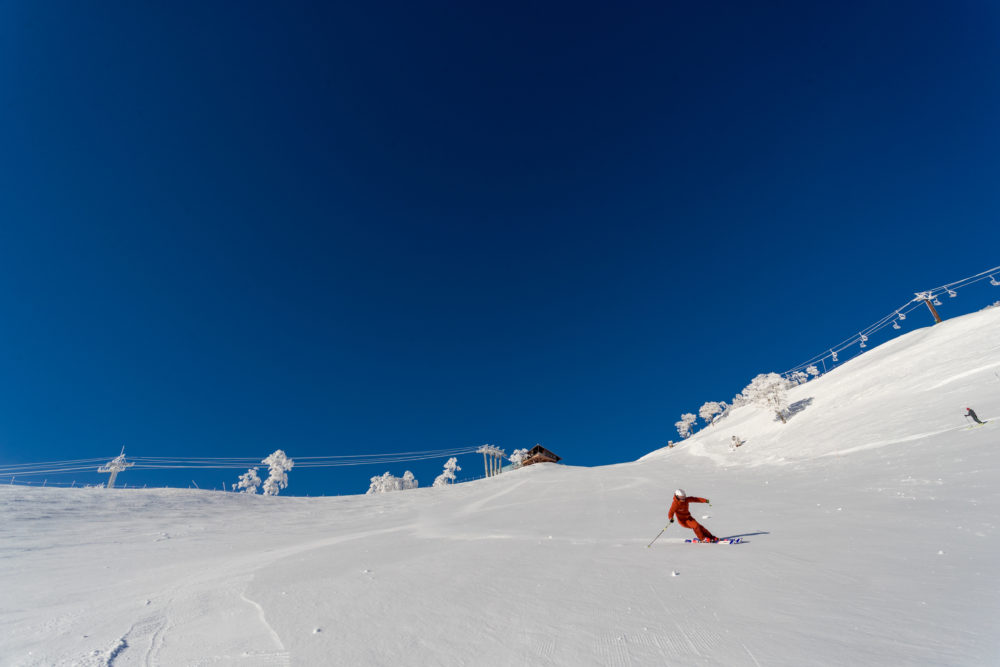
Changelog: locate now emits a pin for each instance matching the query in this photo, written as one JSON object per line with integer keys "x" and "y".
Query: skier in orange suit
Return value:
{"x": 680, "y": 508}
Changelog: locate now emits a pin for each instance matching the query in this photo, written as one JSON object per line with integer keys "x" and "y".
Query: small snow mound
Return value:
{"x": 674, "y": 573}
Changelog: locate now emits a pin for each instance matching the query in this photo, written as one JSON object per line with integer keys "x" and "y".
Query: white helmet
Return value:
{"x": 680, "y": 494}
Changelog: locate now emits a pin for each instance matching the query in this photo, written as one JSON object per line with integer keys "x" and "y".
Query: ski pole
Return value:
{"x": 657, "y": 536}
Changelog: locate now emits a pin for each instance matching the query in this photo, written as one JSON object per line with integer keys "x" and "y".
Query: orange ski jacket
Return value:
{"x": 680, "y": 507}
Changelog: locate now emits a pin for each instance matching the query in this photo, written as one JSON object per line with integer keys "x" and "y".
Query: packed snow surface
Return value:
{"x": 868, "y": 525}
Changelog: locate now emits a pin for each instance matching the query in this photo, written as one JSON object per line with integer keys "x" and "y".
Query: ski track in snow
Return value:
{"x": 263, "y": 620}
{"x": 751, "y": 656}
{"x": 965, "y": 374}
{"x": 885, "y": 443}
{"x": 144, "y": 636}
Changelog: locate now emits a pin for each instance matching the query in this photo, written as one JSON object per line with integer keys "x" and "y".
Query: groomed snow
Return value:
{"x": 869, "y": 524}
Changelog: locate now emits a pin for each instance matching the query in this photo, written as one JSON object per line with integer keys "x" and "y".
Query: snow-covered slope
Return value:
{"x": 869, "y": 524}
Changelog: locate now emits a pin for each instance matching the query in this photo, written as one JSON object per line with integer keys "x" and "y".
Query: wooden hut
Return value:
{"x": 539, "y": 454}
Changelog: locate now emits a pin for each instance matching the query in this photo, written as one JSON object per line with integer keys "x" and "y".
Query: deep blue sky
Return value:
{"x": 395, "y": 226}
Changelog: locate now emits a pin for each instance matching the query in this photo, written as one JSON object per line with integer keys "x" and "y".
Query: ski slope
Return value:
{"x": 869, "y": 524}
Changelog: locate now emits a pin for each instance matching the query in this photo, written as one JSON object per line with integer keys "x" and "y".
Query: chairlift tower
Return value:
{"x": 926, "y": 298}
{"x": 492, "y": 459}
{"x": 115, "y": 466}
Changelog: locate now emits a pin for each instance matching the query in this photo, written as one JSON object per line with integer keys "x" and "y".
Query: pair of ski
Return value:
{"x": 725, "y": 540}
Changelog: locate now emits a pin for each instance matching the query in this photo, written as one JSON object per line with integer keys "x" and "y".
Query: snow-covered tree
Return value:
{"x": 448, "y": 476}
{"x": 812, "y": 371}
{"x": 277, "y": 477}
{"x": 249, "y": 481}
{"x": 685, "y": 424}
{"x": 383, "y": 484}
{"x": 518, "y": 456}
{"x": 771, "y": 391}
{"x": 387, "y": 482}
{"x": 797, "y": 378}
{"x": 710, "y": 410}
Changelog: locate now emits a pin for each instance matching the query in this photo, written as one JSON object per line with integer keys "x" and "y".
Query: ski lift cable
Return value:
{"x": 960, "y": 284}
{"x": 888, "y": 319}
{"x": 221, "y": 466}
{"x": 431, "y": 452}
{"x": 49, "y": 471}
{"x": 57, "y": 467}
{"x": 49, "y": 463}
{"x": 302, "y": 463}
{"x": 983, "y": 275}
{"x": 413, "y": 456}
{"x": 339, "y": 464}
{"x": 48, "y": 466}
{"x": 848, "y": 342}
{"x": 976, "y": 280}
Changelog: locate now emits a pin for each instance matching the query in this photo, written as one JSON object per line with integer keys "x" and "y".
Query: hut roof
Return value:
{"x": 539, "y": 450}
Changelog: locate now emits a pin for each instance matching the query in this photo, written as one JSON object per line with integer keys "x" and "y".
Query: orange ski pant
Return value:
{"x": 699, "y": 530}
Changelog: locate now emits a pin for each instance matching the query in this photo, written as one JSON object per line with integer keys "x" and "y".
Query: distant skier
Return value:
{"x": 680, "y": 508}
{"x": 972, "y": 413}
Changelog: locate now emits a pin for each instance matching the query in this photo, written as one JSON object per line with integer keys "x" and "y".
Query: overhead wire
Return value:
{"x": 233, "y": 463}
{"x": 887, "y": 321}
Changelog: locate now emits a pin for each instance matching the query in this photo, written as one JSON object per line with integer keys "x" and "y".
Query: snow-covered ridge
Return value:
{"x": 916, "y": 385}
{"x": 868, "y": 524}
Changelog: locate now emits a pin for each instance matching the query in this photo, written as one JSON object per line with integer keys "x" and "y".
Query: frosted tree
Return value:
{"x": 448, "y": 476}
{"x": 388, "y": 482}
{"x": 383, "y": 484}
{"x": 710, "y": 410}
{"x": 277, "y": 477}
{"x": 797, "y": 378}
{"x": 685, "y": 424}
{"x": 812, "y": 371}
{"x": 249, "y": 481}
{"x": 517, "y": 457}
{"x": 769, "y": 390}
